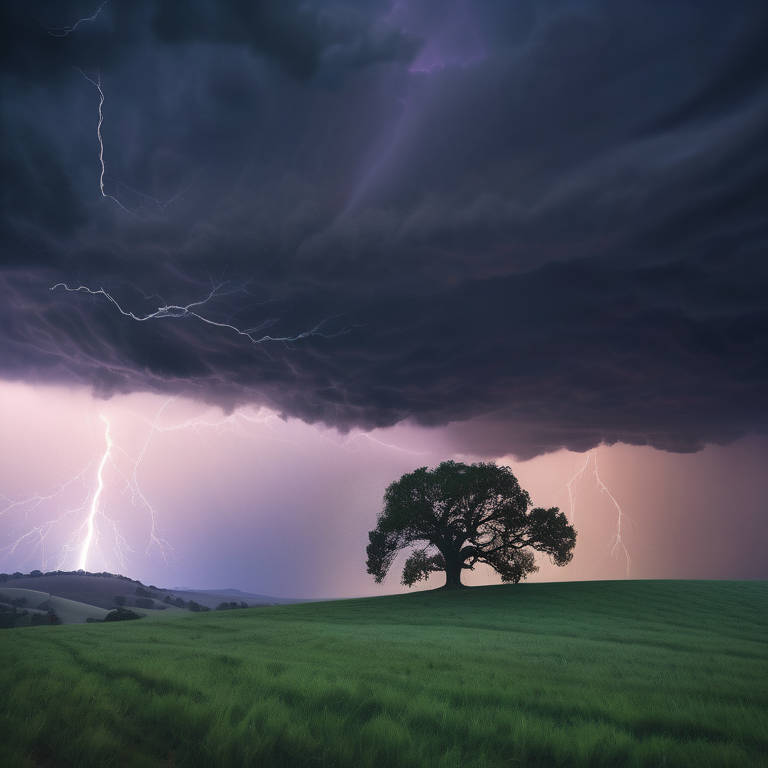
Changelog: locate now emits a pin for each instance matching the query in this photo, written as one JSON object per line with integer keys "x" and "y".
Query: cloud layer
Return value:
{"x": 543, "y": 222}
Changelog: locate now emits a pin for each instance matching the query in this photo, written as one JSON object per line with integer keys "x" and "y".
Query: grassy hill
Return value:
{"x": 67, "y": 611}
{"x": 575, "y": 674}
{"x": 100, "y": 590}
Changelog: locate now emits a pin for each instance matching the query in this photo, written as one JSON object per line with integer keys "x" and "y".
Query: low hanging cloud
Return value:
{"x": 542, "y": 223}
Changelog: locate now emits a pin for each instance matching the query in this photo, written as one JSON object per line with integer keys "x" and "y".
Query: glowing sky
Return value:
{"x": 414, "y": 230}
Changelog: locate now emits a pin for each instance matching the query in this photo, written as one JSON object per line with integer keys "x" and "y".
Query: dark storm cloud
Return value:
{"x": 544, "y": 222}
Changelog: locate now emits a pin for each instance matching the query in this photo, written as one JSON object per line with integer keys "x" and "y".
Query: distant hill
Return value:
{"x": 101, "y": 589}
{"x": 249, "y": 596}
{"x": 66, "y": 611}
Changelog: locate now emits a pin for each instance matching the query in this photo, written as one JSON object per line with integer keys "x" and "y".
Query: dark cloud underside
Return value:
{"x": 543, "y": 221}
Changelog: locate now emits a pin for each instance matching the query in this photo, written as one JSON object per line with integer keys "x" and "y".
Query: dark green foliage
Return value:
{"x": 458, "y": 515}
{"x": 12, "y": 612}
{"x": 196, "y": 607}
{"x": 121, "y": 614}
{"x": 16, "y": 602}
{"x": 39, "y": 619}
{"x": 229, "y": 606}
{"x": 13, "y": 617}
{"x": 177, "y": 601}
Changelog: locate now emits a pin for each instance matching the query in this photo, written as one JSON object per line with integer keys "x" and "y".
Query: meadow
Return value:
{"x": 653, "y": 673}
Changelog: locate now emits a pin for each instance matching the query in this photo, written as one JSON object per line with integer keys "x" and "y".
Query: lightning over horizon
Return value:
{"x": 94, "y": 510}
{"x": 90, "y": 511}
{"x": 72, "y": 537}
{"x": 616, "y": 543}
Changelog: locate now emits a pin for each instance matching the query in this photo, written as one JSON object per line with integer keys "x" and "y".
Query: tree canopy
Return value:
{"x": 458, "y": 515}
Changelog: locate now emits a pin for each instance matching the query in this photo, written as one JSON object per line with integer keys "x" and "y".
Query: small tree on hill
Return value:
{"x": 458, "y": 515}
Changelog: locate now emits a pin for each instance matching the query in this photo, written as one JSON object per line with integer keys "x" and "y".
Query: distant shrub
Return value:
{"x": 35, "y": 574}
{"x": 144, "y": 602}
{"x": 10, "y": 619}
{"x": 120, "y": 599}
{"x": 121, "y": 614}
{"x": 39, "y": 619}
{"x": 193, "y": 606}
{"x": 16, "y": 602}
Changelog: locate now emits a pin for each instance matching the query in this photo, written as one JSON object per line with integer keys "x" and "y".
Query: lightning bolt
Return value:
{"x": 64, "y": 31}
{"x": 87, "y": 507}
{"x": 575, "y": 479}
{"x": 190, "y": 310}
{"x": 87, "y": 534}
{"x": 37, "y": 535}
{"x": 616, "y": 543}
{"x": 161, "y": 204}
{"x": 104, "y": 193}
{"x": 96, "y": 496}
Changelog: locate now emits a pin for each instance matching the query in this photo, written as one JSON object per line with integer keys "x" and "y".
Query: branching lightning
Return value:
{"x": 616, "y": 543}
{"x": 575, "y": 479}
{"x": 97, "y": 529}
{"x": 84, "y": 520}
{"x": 190, "y": 311}
{"x": 64, "y": 31}
{"x": 36, "y": 537}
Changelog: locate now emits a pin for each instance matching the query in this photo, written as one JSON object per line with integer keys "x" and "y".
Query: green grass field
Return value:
{"x": 654, "y": 673}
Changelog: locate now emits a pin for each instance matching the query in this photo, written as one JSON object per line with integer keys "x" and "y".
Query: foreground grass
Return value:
{"x": 580, "y": 674}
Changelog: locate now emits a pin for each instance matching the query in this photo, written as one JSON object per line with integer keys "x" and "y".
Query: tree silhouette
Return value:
{"x": 458, "y": 515}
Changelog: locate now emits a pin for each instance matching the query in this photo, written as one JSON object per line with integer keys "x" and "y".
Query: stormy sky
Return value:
{"x": 513, "y": 228}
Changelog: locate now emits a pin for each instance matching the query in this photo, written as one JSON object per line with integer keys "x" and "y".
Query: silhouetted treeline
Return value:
{"x": 36, "y": 574}
{"x": 230, "y": 606}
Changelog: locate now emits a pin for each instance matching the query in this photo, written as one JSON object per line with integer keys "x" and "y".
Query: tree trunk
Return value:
{"x": 453, "y": 573}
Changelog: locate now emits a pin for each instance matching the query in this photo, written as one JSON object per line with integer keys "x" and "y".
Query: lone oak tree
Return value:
{"x": 458, "y": 515}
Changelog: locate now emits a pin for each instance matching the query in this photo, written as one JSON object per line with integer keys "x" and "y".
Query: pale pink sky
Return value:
{"x": 194, "y": 497}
